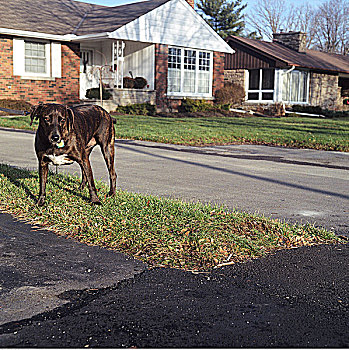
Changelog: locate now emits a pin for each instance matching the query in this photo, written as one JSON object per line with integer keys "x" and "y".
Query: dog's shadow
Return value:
{"x": 71, "y": 185}
{"x": 14, "y": 175}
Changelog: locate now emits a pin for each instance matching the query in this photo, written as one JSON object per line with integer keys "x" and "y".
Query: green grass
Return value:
{"x": 315, "y": 133}
{"x": 18, "y": 122}
{"x": 161, "y": 232}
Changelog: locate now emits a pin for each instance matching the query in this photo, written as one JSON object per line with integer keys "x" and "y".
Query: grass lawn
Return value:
{"x": 316, "y": 133}
{"x": 161, "y": 232}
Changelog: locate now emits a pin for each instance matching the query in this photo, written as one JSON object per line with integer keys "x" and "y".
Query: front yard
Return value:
{"x": 301, "y": 132}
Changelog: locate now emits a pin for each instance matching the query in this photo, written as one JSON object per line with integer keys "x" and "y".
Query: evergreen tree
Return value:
{"x": 224, "y": 16}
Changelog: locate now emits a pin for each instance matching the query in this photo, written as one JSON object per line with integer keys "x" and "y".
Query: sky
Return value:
{"x": 249, "y": 2}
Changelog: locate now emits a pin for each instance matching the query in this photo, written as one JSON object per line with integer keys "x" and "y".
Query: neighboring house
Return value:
{"x": 53, "y": 51}
{"x": 285, "y": 71}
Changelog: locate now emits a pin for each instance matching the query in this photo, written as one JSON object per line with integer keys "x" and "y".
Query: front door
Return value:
{"x": 88, "y": 78}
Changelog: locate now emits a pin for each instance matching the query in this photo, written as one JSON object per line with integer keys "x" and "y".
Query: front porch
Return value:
{"x": 113, "y": 63}
{"x": 124, "y": 97}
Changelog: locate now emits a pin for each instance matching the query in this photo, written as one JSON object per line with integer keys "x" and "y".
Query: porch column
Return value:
{"x": 118, "y": 62}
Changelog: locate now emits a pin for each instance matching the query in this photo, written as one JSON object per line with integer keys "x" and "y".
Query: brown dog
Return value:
{"x": 68, "y": 134}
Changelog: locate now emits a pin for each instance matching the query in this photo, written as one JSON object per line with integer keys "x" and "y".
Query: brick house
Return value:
{"x": 285, "y": 71}
{"x": 53, "y": 51}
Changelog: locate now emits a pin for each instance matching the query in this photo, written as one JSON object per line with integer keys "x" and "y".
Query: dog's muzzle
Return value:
{"x": 55, "y": 138}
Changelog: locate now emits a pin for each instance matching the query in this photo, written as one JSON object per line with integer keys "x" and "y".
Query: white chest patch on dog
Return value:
{"x": 59, "y": 160}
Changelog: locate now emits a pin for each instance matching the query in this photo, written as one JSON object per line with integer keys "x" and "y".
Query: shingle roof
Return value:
{"x": 309, "y": 59}
{"x": 69, "y": 17}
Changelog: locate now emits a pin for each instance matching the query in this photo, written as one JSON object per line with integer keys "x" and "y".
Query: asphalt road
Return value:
{"x": 59, "y": 293}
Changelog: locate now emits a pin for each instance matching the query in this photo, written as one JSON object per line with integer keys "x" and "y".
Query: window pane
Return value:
{"x": 174, "y": 58}
{"x": 204, "y": 82}
{"x": 267, "y": 96}
{"x": 253, "y": 96}
{"x": 268, "y": 79}
{"x": 294, "y": 86}
{"x": 189, "y": 81}
{"x": 174, "y": 80}
{"x": 286, "y": 87}
{"x": 204, "y": 61}
{"x": 189, "y": 59}
{"x": 253, "y": 80}
{"x": 35, "y": 57}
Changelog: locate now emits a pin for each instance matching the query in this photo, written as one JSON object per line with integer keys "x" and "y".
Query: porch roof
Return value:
{"x": 170, "y": 22}
{"x": 63, "y": 17}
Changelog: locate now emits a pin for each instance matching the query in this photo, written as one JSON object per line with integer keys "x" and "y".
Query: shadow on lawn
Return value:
{"x": 58, "y": 180}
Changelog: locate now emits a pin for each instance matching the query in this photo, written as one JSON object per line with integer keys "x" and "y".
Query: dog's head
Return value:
{"x": 55, "y": 120}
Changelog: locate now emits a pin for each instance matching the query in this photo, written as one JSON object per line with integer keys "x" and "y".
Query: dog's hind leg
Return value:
{"x": 43, "y": 171}
{"x": 108, "y": 152}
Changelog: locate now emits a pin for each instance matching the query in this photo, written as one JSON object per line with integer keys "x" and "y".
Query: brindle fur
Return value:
{"x": 80, "y": 128}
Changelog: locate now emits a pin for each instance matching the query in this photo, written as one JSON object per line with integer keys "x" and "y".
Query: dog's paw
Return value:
{"x": 40, "y": 202}
{"x": 96, "y": 202}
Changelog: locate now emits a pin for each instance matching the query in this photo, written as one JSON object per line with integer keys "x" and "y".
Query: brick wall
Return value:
{"x": 161, "y": 59}
{"x": 218, "y": 71}
{"x": 60, "y": 90}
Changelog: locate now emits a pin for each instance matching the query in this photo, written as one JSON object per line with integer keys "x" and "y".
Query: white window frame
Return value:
{"x": 260, "y": 91}
{"x": 181, "y": 93}
{"x": 53, "y": 56}
{"x": 299, "y": 72}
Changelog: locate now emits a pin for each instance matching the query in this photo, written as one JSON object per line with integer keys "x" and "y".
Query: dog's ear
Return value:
{"x": 70, "y": 118}
{"x": 35, "y": 112}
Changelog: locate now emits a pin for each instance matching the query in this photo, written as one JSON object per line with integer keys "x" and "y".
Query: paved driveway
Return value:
{"x": 290, "y": 184}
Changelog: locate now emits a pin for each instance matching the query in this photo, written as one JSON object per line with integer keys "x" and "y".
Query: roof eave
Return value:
{"x": 87, "y": 37}
{"x": 37, "y": 35}
{"x": 288, "y": 63}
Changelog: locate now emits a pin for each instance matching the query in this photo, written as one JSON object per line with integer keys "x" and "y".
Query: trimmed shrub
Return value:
{"x": 189, "y": 105}
{"x": 140, "y": 83}
{"x": 94, "y": 94}
{"x": 231, "y": 93}
{"x": 15, "y": 104}
{"x": 137, "y": 109}
{"x": 322, "y": 111}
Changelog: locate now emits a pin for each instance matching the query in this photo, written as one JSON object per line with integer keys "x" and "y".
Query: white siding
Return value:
{"x": 174, "y": 23}
{"x": 139, "y": 59}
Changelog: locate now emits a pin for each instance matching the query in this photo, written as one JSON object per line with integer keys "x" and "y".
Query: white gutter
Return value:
{"x": 38, "y": 35}
{"x": 90, "y": 36}
{"x": 290, "y": 70}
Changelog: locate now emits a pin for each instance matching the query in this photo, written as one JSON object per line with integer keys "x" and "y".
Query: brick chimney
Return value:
{"x": 293, "y": 40}
{"x": 191, "y": 3}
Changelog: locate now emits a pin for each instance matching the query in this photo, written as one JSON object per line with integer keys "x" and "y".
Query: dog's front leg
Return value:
{"x": 87, "y": 171}
{"x": 43, "y": 171}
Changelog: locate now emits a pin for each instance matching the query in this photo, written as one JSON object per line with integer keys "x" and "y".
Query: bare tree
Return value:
{"x": 303, "y": 19}
{"x": 268, "y": 17}
{"x": 327, "y": 26}
{"x": 332, "y": 27}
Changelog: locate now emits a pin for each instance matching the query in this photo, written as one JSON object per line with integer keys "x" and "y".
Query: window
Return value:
{"x": 261, "y": 85}
{"x": 295, "y": 87}
{"x": 189, "y": 72}
{"x": 35, "y": 57}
